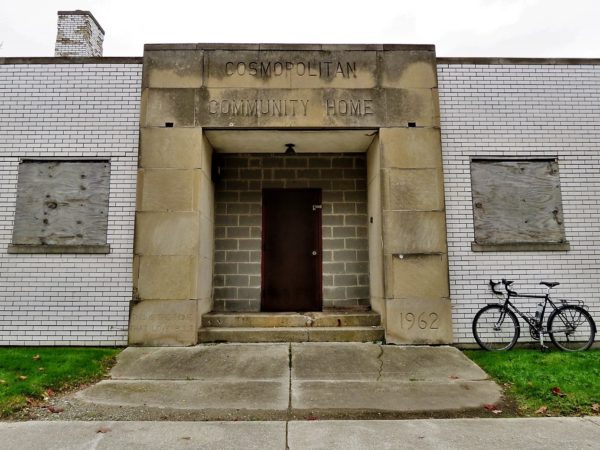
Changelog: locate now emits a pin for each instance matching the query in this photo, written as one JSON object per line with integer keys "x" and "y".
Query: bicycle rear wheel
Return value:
{"x": 496, "y": 328}
{"x": 571, "y": 328}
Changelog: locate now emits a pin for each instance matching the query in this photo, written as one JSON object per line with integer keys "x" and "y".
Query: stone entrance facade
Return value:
{"x": 364, "y": 124}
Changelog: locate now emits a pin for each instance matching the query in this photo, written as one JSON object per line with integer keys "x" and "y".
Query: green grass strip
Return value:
{"x": 29, "y": 371}
{"x": 531, "y": 375}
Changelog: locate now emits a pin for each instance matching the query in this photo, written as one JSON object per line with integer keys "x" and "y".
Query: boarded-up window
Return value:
{"x": 62, "y": 205}
{"x": 517, "y": 202}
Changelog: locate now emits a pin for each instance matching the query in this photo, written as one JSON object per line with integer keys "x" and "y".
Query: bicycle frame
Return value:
{"x": 530, "y": 320}
{"x": 569, "y": 326}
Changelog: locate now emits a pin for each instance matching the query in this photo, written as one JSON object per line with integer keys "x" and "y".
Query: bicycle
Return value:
{"x": 570, "y": 326}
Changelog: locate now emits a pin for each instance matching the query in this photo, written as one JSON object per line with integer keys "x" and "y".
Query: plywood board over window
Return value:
{"x": 62, "y": 207}
{"x": 517, "y": 205}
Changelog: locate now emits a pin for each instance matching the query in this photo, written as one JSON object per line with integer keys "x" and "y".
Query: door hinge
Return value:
{"x": 315, "y": 207}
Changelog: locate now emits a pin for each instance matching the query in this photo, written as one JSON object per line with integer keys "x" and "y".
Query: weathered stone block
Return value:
{"x": 414, "y": 232}
{"x": 417, "y": 276}
{"x": 205, "y": 194}
{"x": 168, "y": 190}
{"x": 411, "y": 105}
{"x": 173, "y": 233}
{"x": 174, "y": 106}
{"x": 413, "y": 189}
{"x": 171, "y": 148}
{"x": 411, "y": 148}
{"x": 251, "y": 108}
{"x": 173, "y": 69}
{"x": 280, "y": 69}
{"x": 409, "y": 69}
{"x": 164, "y": 323}
{"x": 418, "y": 321}
{"x": 166, "y": 277}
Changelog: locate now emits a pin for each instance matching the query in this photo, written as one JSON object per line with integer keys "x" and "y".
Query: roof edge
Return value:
{"x": 72, "y": 60}
{"x": 502, "y": 60}
{"x": 290, "y": 47}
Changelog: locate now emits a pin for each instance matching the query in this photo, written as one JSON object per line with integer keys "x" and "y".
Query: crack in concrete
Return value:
{"x": 380, "y": 370}
{"x": 289, "y": 408}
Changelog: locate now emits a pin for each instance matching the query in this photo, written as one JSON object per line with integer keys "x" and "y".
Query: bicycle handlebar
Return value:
{"x": 493, "y": 285}
{"x": 506, "y": 284}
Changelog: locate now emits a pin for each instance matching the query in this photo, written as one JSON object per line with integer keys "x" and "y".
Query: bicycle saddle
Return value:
{"x": 550, "y": 284}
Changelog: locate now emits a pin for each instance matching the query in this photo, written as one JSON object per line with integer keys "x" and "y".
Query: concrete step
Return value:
{"x": 291, "y": 319}
{"x": 291, "y": 334}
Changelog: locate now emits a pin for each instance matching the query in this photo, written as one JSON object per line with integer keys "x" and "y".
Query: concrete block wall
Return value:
{"x": 522, "y": 110}
{"x": 342, "y": 178}
{"x": 69, "y": 110}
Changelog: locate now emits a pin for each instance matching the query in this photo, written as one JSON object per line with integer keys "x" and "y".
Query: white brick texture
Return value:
{"x": 522, "y": 110}
{"x": 69, "y": 110}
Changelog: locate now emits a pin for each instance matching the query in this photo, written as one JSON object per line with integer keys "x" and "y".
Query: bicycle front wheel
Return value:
{"x": 571, "y": 328}
{"x": 496, "y": 328}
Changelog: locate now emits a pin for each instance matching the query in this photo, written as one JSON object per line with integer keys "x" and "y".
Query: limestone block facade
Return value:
{"x": 195, "y": 134}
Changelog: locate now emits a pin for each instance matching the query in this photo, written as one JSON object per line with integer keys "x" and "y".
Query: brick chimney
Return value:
{"x": 79, "y": 34}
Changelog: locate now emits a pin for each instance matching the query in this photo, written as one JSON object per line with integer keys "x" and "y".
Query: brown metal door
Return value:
{"x": 291, "y": 250}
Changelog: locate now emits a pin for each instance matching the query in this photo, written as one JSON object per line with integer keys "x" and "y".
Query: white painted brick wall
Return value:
{"x": 522, "y": 111}
{"x": 69, "y": 110}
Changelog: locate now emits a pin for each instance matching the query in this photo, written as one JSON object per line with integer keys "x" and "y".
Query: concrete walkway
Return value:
{"x": 547, "y": 433}
{"x": 284, "y": 381}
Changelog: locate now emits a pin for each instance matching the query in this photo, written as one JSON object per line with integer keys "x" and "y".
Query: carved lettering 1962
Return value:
{"x": 268, "y": 69}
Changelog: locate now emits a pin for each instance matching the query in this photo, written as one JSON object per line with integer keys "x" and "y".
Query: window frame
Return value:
{"x": 515, "y": 246}
{"x": 16, "y": 248}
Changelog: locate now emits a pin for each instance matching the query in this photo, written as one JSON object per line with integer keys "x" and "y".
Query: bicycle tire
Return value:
{"x": 495, "y": 328}
{"x": 574, "y": 329}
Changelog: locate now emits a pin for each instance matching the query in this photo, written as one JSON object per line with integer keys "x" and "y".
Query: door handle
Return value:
{"x": 314, "y": 253}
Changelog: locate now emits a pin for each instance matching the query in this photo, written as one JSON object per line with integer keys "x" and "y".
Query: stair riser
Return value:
{"x": 291, "y": 335}
{"x": 236, "y": 321}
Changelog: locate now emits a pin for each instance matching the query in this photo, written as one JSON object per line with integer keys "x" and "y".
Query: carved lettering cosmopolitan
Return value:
{"x": 268, "y": 69}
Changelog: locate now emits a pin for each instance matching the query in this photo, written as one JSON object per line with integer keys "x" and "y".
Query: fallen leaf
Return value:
{"x": 311, "y": 418}
{"x": 507, "y": 385}
{"x": 22, "y": 377}
{"x": 497, "y": 411}
{"x": 489, "y": 407}
{"x": 41, "y": 369}
{"x": 453, "y": 377}
{"x": 49, "y": 392}
{"x": 556, "y": 391}
{"x": 103, "y": 430}
{"x": 542, "y": 410}
{"x": 36, "y": 357}
{"x": 29, "y": 400}
{"x": 2, "y": 381}
{"x": 54, "y": 409}
{"x": 596, "y": 407}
